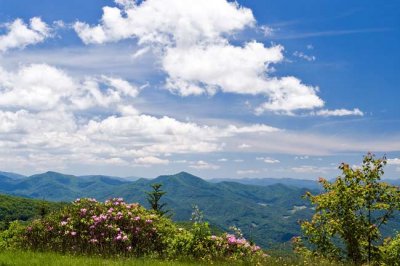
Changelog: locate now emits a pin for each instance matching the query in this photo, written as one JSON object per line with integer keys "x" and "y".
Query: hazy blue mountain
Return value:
{"x": 299, "y": 183}
{"x": 12, "y": 175}
{"x": 267, "y": 213}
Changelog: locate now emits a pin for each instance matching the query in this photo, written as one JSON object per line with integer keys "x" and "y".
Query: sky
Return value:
{"x": 217, "y": 88}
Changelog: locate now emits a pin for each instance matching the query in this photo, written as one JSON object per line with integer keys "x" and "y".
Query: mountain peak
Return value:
{"x": 181, "y": 177}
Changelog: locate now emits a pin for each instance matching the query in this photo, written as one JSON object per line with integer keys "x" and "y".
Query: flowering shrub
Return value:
{"x": 118, "y": 228}
{"x": 113, "y": 227}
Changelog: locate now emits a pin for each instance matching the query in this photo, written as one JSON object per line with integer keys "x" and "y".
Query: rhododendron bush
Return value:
{"x": 118, "y": 228}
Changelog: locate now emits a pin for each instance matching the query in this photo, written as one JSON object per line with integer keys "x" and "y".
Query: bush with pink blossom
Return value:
{"x": 119, "y": 228}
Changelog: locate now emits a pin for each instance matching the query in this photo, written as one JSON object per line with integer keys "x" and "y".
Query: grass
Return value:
{"x": 16, "y": 258}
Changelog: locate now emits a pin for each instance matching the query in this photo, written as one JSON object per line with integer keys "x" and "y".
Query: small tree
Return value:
{"x": 350, "y": 213}
{"x": 154, "y": 197}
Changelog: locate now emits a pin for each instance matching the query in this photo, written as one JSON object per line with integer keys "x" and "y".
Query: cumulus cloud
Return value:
{"x": 42, "y": 87}
{"x": 46, "y": 112}
{"x": 339, "y": 112}
{"x": 192, "y": 40}
{"x": 20, "y": 34}
{"x": 202, "y": 165}
{"x": 167, "y": 22}
{"x": 150, "y": 160}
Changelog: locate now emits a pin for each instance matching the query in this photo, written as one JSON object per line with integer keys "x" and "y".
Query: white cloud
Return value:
{"x": 46, "y": 112}
{"x": 268, "y": 160}
{"x": 393, "y": 161}
{"x": 289, "y": 94}
{"x": 20, "y": 35}
{"x": 339, "y": 112}
{"x": 247, "y": 172}
{"x": 222, "y": 160}
{"x": 231, "y": 69}
{"x": 305, "y": 157}
{"x": 304, "y": 56}
{"x": 40, "y": 87}
{"x": 192, "y": 39}
{"x": 271, "y": 161}
{"x": 244, "y": 146}
{"x": 267, "y": 31}
{"x": 167, "y": 22}
{"x": 150, "y": 160}
{"x": 308, "y": 169}
{"x": 202, "y": 165}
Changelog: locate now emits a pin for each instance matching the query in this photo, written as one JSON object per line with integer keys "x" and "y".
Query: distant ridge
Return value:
{"x": 299, "y": 183}
{"x": 266, "y": 213}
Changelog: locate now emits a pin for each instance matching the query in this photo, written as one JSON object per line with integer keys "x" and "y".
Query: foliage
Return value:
{"x": 154, "y": 197}
{"x": 350, "y": 213}
{"x": 15, "y": 208}
{"x": 391, "y": 251}
{"x": 128, "y": 230}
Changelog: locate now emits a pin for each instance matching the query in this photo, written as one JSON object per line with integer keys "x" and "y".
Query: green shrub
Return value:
{"x": 12, "y": 237}
{"x": 129, "y": 230}
{"x": 391, "y": 251}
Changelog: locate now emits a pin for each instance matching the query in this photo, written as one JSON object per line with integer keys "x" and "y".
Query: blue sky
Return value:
{"x": 216, "y": 88}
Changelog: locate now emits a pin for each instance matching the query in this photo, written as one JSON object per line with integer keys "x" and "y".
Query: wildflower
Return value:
{"x": 129, "y": 248}
{"x": 29, "y": 229}
{"x": 83, "y": 212}
{"x": 124, "y": 238}
{"x": 149, "y": 221}
{"x": 73, "y": 233}
{"x": 63, "y": 223}
{"x": 231, "y": 239}
{"x": 93, "y": 241}
{"x": 137, "y": 218}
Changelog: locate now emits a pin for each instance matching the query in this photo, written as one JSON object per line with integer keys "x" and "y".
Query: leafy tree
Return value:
{"x": 154, "y": 197}
{"x": 350, "y": 213}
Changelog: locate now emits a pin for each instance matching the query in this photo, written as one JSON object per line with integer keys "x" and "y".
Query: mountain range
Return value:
{"x": 267, "y": 212}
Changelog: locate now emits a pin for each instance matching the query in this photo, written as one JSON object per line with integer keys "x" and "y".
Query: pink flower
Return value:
{"x": 149, "y": 221}
{"x": 231, "y": 239}
{"x": 73, "y": 233}
{"x": 137, "y": 218}
{"x": 255, "y": 248}
{"x": 29, "y": 229}
{"x": 63, "y": 223}
{"x": 93, "y": 241}
{"x": 213, "y": 237}
{"x": 124, "y": 238}
{"x": 118, "y": 237}
{"x": 129, "y": 248}
{"x": 241, "y": 241}
{"x": 83, "y": 212}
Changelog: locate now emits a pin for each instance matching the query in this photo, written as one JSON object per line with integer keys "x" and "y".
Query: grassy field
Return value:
{"x": 11, "y": 258}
